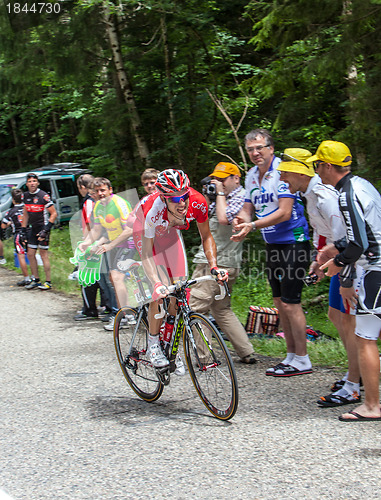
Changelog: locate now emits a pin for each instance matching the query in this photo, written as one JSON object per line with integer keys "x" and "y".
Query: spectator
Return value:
{"x": 38, "y": 218}
{"x": 89, "y": 293}
{"x": 328, "y": 225}
{"x": 228, "y": 202}
{"x": 13, "y": 218}
{"x": 3, "y": 260}
{"x": 148, "y": 179}
{"x": 360, "y": 205}
{"x": 280, "y": 217}
{"x": 111, "y": 213}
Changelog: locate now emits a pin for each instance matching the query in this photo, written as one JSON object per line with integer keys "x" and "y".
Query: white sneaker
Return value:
{"x": 110, "y": 325}
{"x": 156, "y": 356}
{"x": 180, "y": 367}
{"x": 73, "y": 276}
{"x": 130, "y": 318}
{"x": 3, "y": 260}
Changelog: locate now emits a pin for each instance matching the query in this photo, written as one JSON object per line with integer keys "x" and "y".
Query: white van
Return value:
{"x": 59, "y": 180}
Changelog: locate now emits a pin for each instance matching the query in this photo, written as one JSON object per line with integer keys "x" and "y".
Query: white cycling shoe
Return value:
{"x": 156, "y": 356}
{"x": 180, "y": 367}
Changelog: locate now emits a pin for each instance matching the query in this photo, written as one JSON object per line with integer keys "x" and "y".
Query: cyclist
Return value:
{"x": 158, "y": 239}
{"x": 37, "y": 220}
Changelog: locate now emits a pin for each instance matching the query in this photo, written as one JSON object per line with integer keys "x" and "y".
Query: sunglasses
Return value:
{"x": 177, "y": 199}
{"x": 285, "y": 157}
{"x": 317, "y": 163}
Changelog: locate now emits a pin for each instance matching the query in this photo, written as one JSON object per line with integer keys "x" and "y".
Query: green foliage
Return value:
{"x": 308, "y": 70}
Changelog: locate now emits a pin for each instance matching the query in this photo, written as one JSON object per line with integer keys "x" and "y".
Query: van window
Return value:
{"x": 5, "y": 193}
{"x": 65, "y": 188}
{"x": 45, "y": 186}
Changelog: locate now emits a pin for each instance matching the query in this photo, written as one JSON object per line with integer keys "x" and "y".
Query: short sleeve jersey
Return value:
{"x": 156, "y": 215}
{"x": 265, "y": 199}
{"x": 323, "y": 212}
{"x": 112, "y": 216}
{"x": 14, "y": 216}
{"x": 87, "y": 213}
{"x": 36, "y": 204}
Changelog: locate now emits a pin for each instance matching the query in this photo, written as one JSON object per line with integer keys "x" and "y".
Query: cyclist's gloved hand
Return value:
{"x": 44, "y": 233}
{"x": 220, "y": 274}
{"x": 159, "y": 291}
{"x": 23, "y": 236}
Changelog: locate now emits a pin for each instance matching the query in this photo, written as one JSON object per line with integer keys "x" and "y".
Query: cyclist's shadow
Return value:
{"x": 132, "y": 411}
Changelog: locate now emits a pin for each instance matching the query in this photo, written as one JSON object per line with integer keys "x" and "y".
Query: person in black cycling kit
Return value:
{"x": 13, "y": 218}
{"x": 37, "y": 220}
{"x": 360, "y": 205}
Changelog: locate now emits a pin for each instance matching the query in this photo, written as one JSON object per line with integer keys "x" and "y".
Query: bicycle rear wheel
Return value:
{"x": 131, "y": 348}
{"x": 210, "y": 367}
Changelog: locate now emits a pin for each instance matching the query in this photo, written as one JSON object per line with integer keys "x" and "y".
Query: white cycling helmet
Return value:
{"x": 172, "y": 181}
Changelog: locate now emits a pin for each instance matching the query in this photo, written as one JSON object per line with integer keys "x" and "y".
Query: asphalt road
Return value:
{"x": 71, "y": 428}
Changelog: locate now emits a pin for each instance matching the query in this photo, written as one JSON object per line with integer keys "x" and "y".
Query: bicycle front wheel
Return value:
{"x": 210, "y": 367}
{"x": 131, "y": 349}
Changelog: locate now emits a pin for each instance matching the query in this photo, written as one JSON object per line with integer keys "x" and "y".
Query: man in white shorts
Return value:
{"x": 360, "y": 205}
{"x": 328, "y": 225}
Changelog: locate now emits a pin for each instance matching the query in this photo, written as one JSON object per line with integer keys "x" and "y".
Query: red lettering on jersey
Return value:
{"x": 35, "y": 208}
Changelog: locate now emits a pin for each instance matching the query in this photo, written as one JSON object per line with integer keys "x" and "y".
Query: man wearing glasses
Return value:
{"x": 158, "y": 239}
{"x": 280, "y": 217}
{"x": 360, "y": 205}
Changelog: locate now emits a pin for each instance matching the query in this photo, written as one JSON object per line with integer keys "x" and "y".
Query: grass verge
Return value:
{"x": 247, "y": 291}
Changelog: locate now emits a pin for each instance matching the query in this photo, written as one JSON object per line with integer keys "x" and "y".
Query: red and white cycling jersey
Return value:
{"x": 152, "y": 222}
{"x": 156, "y": 215}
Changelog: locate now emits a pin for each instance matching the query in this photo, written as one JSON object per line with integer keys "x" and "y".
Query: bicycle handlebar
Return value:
{"x": 184, "y": 284}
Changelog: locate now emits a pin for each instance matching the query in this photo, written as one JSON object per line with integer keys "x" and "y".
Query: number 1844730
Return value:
{"x": 34, "y": 8}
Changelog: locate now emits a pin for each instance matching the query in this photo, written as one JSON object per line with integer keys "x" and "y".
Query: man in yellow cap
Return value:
{"x": 360, "y": 205}
{"x": 328, "y": 226}
{"x": 229, "y": 199}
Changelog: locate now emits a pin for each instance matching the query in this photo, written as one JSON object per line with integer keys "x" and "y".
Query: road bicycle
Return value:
{"x": 208, "y": 359}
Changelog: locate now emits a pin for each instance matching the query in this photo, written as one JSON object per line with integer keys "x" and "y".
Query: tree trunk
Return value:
{"x": 16, "y": 140}
{"x": 111, "y": 28}
{"x": 352, "y": 78}
{"x": 163, "y": 27}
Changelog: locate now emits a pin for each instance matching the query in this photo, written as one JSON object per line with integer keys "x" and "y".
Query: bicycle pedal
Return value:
{"x": 164, "y": 375}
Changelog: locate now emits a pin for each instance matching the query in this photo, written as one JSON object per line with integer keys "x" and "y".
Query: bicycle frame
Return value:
{"x": 182, "y": 321}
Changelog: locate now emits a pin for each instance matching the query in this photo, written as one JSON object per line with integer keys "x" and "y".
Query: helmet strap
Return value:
{"x": 183, "y": 219}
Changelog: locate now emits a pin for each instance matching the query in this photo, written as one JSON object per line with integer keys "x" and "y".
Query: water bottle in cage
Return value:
{"x": 167, "y": 332}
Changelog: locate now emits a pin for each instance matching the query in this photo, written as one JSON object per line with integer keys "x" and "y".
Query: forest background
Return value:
{"x": 124, "y": 85}
{"x": 119, "y": 86}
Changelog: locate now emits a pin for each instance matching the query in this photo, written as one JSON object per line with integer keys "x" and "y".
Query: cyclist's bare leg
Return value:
{"x": 44, "y": 253}
{"x": 117, "y": 279}
{"x": 33, "y": 261}
{"x": 154, "y": 324}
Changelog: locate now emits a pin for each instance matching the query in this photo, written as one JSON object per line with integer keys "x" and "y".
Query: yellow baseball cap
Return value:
{"x": 333, "y": 152}
{"x": 223, "y": 170}
{"x": 296, "y": 160}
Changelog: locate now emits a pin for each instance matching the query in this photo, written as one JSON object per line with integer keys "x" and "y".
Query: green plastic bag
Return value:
{"x": 89, "y": 265}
